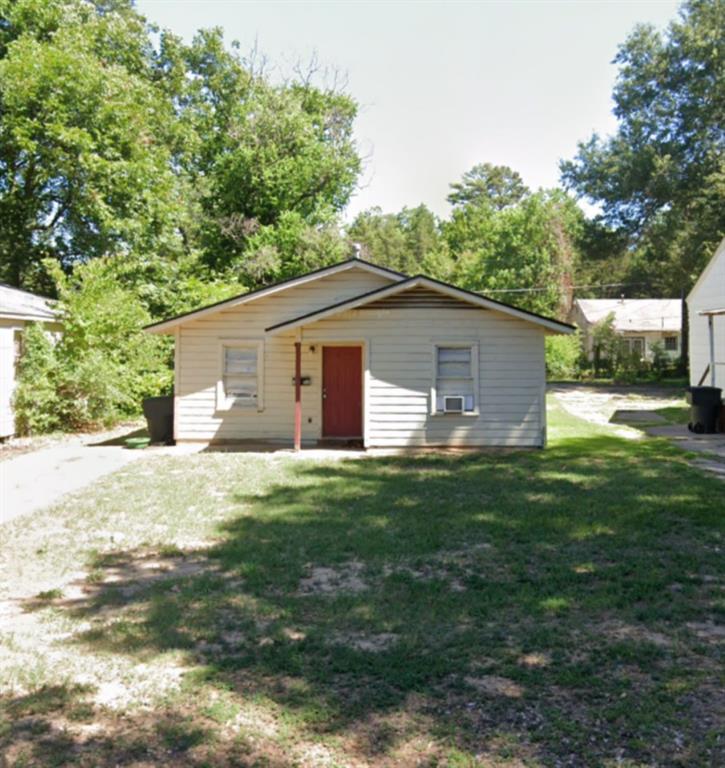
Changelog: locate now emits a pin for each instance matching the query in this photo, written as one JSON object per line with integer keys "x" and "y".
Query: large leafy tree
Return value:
{"x": 257, "y": 151}
{"x": 525, "y": 253}
{"x": 408, "y": 241}
{"x": 172, "y": 156}
{"x": 660, "y": 179}
{"x": 84, "y": 162}
{"x": 292, "y": 246}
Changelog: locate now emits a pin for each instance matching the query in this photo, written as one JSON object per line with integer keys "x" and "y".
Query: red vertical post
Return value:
{"x": 298, "y": 395}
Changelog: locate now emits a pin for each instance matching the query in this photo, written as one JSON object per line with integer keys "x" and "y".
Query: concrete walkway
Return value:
{"x": 35, "y": 480}
{"x": 711, "y": 446}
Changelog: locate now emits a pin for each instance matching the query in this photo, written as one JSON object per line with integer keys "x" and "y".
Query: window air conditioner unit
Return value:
{"x": 454, "y": 403}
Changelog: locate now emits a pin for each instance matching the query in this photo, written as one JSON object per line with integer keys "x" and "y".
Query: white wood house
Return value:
{"x": 706, "y": 320}
{"x": 17, "y": 309}
{"x": 641, "y": 323}
{"x": 357, "y": 352}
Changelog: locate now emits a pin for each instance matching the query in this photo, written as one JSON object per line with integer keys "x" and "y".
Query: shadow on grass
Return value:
{"x": 534, "y": 605}
{"x": 59, "y": 725}
{"x": 120, "y": 440}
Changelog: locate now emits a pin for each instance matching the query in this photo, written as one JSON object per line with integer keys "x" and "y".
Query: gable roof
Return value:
{"x": 410, "y": 283}
{"x": 719, "y": 253}
{"x": 243, "y": 298}
{"x": 635, "y": 314}
{"x": 22, "y": 305}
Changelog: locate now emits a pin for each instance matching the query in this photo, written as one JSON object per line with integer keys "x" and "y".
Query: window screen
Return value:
{"x": 240, "y": 374}
{"x": 455, "y": 375}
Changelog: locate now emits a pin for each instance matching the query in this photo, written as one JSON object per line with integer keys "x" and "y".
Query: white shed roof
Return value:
{"x": 22, "y": 305}
{"x": 635, "y": 314}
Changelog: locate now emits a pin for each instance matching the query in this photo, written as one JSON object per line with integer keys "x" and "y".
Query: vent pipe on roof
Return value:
{"x": 356, "y": 249}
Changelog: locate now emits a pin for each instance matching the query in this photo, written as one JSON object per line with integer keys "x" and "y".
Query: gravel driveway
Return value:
{"x": 598, "y": 403}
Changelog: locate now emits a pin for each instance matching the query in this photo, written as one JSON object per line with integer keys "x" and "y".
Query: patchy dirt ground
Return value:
{"x": 599, "y": 404}
{"x": 548, "y": 609}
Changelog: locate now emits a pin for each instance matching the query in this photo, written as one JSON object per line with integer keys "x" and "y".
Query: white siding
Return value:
{"x": 708, "y": 293}
{"x": 398, "y": 351}
{"x": 198, "y": 363}
{"x": 7, "y": 375}
{"x": 400, "y": 346}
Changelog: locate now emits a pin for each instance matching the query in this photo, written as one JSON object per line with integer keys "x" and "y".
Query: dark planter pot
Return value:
{"x": 159, "y": 413}
{"x": 705, "y": 404}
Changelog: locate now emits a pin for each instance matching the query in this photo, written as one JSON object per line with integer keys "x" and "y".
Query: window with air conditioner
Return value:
{"x": 455, "y": 384}
{"x": 240, "y": 384}
{"x": 454, "y": 403}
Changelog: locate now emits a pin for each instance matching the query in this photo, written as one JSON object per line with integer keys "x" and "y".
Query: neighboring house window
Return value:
{"x": 240, "y": 384}
{"x": 634, "y": 345}
{"x": 456, "y": 374}
{"x": 671, "y": 343}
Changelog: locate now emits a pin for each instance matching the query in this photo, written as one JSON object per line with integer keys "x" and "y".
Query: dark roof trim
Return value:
{"x": 501, "y": 303}
{"x": 400, "y": 286}
{"x": 271, "y": 286}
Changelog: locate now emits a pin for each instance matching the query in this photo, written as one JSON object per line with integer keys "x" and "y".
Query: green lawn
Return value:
{"x": 545, "y": 608}
{"x": 676, "y": 414}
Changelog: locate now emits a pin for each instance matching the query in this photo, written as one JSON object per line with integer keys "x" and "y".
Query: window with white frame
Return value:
{"x": 671, "y": 343}
{"x": 240, "y": 384}
{"x": 455, "y": 376}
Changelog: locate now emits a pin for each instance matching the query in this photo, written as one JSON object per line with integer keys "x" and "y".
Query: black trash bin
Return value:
{"x": 704, "y": 409}
{"x": 159, "y": 413}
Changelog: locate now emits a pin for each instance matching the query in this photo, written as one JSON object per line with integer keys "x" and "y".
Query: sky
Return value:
{"x": 443, "y": 85}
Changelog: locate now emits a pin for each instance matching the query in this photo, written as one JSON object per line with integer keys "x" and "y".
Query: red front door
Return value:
{"x": 342, "y": 392}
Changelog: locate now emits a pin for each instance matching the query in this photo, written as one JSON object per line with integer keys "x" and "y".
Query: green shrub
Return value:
{"x": 629, "y": 367}
{"x": 36, "y": 401}
{"x": 662, "y": 364}
{"x": 103, "y": 364}
{"x": 563, "y": 356}
{"x": 606, "y": 345}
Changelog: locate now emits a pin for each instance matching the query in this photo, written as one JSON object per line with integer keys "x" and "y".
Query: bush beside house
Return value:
{"x": 564, "y": 356}
{"x": 101, "y": 367}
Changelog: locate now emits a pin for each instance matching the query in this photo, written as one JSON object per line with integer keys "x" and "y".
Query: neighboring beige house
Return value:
{"x": 641, "y": 323}
{"x": 17, "y": 309}
{"x": 706, "y": 318}
{"x": 356, "y": 352}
